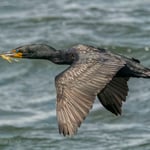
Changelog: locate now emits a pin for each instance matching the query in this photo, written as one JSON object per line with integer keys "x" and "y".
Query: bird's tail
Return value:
{"x": 139, "y": 71}
{"x": 145, "y": 73}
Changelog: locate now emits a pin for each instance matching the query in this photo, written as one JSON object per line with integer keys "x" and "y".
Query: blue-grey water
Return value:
{"x": 27, "y": 91}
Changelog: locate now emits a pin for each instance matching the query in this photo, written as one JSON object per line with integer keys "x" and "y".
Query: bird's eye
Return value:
{"x": 72, "y": 56}
{"x": 17, "y": 50}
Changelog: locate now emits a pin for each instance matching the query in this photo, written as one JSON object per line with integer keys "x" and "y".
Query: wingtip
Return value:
{"x": 66, "y": 132}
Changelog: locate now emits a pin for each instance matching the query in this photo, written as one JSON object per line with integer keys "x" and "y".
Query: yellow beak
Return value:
{"x": 10, "y": 55}
{"x": 15, "y": 55}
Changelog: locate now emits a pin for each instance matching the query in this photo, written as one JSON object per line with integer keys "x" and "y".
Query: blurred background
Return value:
{"x": 27, "y": 90}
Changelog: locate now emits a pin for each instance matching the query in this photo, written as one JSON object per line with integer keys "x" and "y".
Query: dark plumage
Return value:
{"x": 93, "y": 72}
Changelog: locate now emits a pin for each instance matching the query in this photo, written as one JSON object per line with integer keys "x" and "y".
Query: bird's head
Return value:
{"x": 40, "y": 51}
{"x": 33, "y": 51}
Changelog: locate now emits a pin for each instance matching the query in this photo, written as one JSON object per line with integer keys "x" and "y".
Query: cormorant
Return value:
{"x": 93, "y": 72}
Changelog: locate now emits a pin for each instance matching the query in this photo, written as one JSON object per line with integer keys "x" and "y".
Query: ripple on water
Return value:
{"x": 27, "y": 97}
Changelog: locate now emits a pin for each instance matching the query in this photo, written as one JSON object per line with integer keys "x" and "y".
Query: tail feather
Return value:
{"x": 139, "y": 70}
{"x": 134, "y": 69}
{"x": 146, "y": 73}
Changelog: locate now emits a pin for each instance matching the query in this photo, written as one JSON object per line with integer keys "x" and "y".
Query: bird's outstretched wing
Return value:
{"x": 113, "y": 94}
{"x": 77, "y": 88}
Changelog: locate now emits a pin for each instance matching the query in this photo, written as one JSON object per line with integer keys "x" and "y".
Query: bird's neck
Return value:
{"x": 61, "y": 57}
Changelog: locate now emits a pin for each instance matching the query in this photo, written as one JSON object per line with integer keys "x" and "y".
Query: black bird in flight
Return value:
{"x": 93, "y": 72}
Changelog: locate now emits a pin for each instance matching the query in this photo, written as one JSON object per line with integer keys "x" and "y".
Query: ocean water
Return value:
{"x": 27, "y": 91}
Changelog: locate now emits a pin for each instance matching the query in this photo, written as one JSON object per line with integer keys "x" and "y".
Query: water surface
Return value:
{"x": 27, "y": 91}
